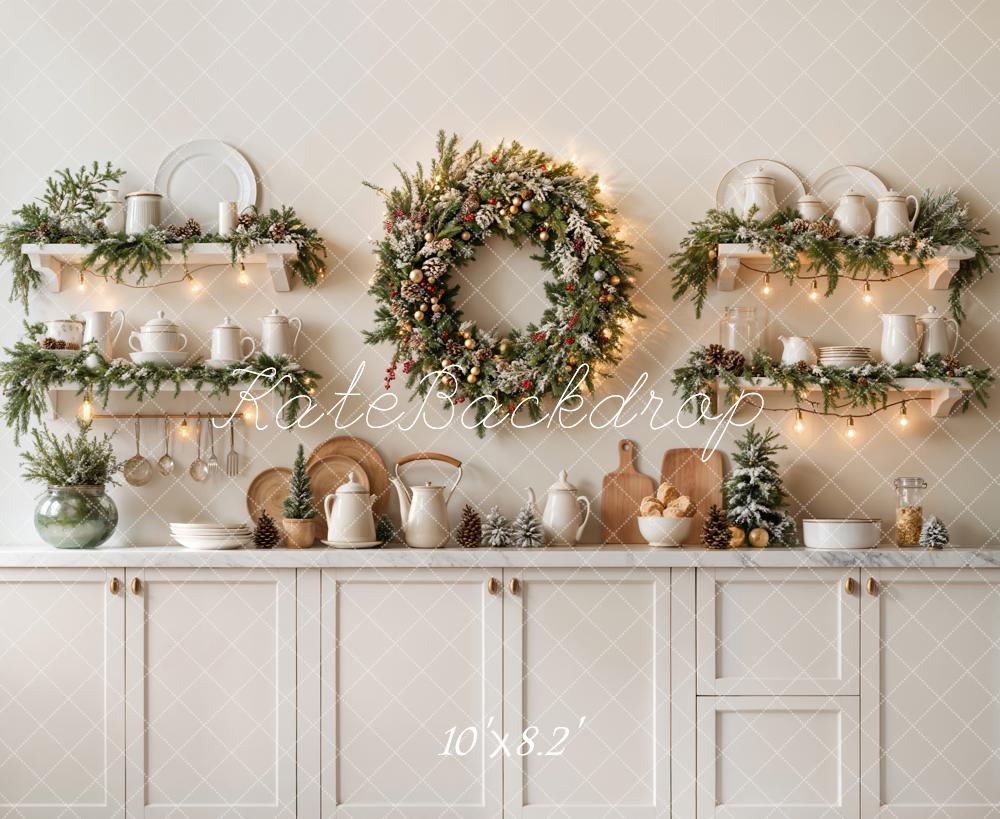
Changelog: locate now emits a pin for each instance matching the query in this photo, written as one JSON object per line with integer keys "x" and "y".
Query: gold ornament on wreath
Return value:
{"x": 434, "y": 224}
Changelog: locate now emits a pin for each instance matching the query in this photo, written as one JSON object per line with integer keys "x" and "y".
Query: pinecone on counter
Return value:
{"x": 715, "y": 533}
{"x": 714, "y": 354}
{"x": 733, "y": 361}
{"x": 470, "y": 529}
{"x": 265, "y": 533}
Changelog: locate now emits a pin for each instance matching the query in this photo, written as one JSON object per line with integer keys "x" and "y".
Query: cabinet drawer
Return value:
{"x": 778, "y": 631}
{"x": 778, "y": 758}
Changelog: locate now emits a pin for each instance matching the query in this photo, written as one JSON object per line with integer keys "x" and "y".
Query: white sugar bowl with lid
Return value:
{"x": 758, "y": 192}
{"x": 852, "y": 215}
{"x": 158, "y": 335}
{"x": 276, "y": 338}
{"x": 349, "y": 515}
{"x": 228, "y": 342}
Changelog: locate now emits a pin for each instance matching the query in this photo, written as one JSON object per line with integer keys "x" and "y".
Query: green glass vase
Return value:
{"x": 75, "y": 517}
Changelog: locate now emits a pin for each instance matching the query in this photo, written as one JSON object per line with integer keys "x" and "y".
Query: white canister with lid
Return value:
{"x": 142, "y": 211}
{"x": 228, "y": 342}
{"x": 276, "y": 337}
{"x": 158, "y": 335}
{"x": 852, "y": 215}
{"x": 811, "y": 207}
{"x": 758, "y": 192}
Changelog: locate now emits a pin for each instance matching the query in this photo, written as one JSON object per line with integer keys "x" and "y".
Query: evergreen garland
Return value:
{"x": 299, "y": 505}
{"x": 753, "y": 492}
{"x": 943, "y": 221}
{"x": 434, "y": 224}
{"x": 497, "y": 531}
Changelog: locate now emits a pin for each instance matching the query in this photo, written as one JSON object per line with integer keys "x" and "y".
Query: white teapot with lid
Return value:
{"x": 228, "y": 342}
{"x": 276, "y": 337}
{"x": 939, "y": 334}
{"x": 424, "y": 508}
{"x": 566, "y": 512}
{"x": 350, "y": 520}
{"x": 852, "y": 215}
{"x": 758, "y": 191}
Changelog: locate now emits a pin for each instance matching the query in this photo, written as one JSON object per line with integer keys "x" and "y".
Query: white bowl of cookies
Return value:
{"x": 665, "y": 518}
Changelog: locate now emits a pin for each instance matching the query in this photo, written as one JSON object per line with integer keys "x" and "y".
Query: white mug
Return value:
{"x": 228, "y": 342}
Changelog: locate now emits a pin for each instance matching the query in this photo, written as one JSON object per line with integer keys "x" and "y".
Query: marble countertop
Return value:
{"x": 581, "y": 556}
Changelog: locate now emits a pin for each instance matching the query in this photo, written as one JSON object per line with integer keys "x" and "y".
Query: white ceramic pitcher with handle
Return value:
{"x": 424, "y": 508}
{"x": 899, "y": 338}
{"x": 276, "y": 337}
{"x": 939, "y": 334}
{"x": 566, "y": 513}
{"x": 97, "y": 329}
{"x": 892, "y": 216}
{"x": 796, "y": 349}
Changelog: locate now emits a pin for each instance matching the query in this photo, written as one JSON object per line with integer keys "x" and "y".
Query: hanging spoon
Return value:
{"x": 199, "y": 469}
{"x": 138, "y": 470}
{"x": 166, "y": 463}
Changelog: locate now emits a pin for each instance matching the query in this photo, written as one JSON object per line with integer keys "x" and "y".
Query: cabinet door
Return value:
{"x": 778, "y": 631}
{"x": 409, "y": 657}
{"x": 591, "y": 647}
{"x": 210, "y": 711}
{"x": 778, "y": 758}
{"x": 62, "y": 715}
{"x": 930, "y": 701}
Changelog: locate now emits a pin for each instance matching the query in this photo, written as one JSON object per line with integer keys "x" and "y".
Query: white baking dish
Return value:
{"x": 841, "y": 533}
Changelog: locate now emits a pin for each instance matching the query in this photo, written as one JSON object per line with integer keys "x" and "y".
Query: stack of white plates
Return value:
{"x": 211, "y": 535}
{"x": 844, "y": 356}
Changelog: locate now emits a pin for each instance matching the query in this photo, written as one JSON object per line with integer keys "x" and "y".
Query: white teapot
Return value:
{"x": 893, "y": 214}
{"x": 796, "y": 349}
{"x": 276, "y": 337}
{"x": 758, "y": 190}
{"x": 424, "y": 509}
{"x": 228, "y": 342}
{"x": 350, "y": 520}
{"x": 566, "y": 512}
{"x": 939, "y": 334}
{"x": 852, "y": 215}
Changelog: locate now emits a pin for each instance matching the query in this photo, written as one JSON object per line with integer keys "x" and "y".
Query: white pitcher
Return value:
{"x": 899, "y": 338}
{"x": 566, "y": 513}
{"x": 796, "y": 349}
{"x": 852, "y": 215}
{"x": 276, "y": 337}
{"x": 893, "y": 214}
{"x": 939, "y": 334}
{"x": 758, "y": 189}
{"x": 97, "y": 328}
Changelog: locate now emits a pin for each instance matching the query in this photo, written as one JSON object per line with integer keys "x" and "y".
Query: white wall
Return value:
{"x": 660, "y": 98}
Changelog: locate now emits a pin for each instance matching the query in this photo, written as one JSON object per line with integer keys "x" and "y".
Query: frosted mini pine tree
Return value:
{"x": 496, "y": 529}
{"x": 934, "y": 534}
{"x": 299, "y": 503}
{"x": 753, "y": 493}
{"x": 528, "y": 528}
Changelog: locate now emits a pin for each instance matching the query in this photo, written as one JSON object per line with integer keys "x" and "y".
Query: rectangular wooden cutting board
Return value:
{"x": 700, "y": 480}
{"x": 621, "y": 492}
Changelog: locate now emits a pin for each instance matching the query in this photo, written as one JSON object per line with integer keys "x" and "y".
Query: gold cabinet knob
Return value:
{"x": 493, "y": 586}
{"x": 114, "y": 585}
{"x": 136, "y": 585}
{"x": 872, "y": 586}
{"x": 851, "y": 585}
{"x": 515, "y": 586}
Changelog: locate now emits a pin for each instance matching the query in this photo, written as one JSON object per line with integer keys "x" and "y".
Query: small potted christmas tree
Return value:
{"x": 298, "y": 522}
{"x": 754, "y": 494}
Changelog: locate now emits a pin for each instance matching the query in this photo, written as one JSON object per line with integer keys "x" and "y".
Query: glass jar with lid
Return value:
{"x": 909, "y": 510}
{"x": 740, "y": 330}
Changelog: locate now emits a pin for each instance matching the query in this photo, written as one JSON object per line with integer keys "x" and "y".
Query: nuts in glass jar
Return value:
{"x": 909, "y": 521}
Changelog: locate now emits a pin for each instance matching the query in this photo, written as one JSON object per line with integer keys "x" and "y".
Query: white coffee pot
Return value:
{"x": 899, "y": 339}
{"x": 424, "y": 509}
{"x": 158, "y": 335}
{"x": 276, "y": 337}
{"x": 349, "y": 516}
{"x": 97, "y": 329}
{"x": 939, "y": 334}
{"x": 852, "y": 214}
{"x": 798, "y": 349}
{"x": 228, "y": 342}
{"x": 893, "y": 214}
{"x": 566, "y": 512}
{"x": 758, "y": 190}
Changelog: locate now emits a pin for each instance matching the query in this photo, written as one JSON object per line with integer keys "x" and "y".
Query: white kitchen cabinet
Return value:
{"x": 778, "y": 631}
{"x": 931, "y": 694}
{"x": 211, "y": 693}
{"x": 786, "y": 757}
{"x": 590, "y": 646}
{"x": 62, "y": 716}
{"x": 407, "y": 657}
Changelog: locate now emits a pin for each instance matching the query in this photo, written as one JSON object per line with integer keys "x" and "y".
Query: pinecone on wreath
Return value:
{"x": 714, "y": 354}
{"x": 471, "y": 202}
{"x": 802, "y": 367}
{"x": 715, "y": 533}
{"x": 528, "y": 528}
{"x": 951, "y": 364}
{"x": 410, "y": 291}
{"x": 470, "y": 529}
{"x": 733, "y": 361}
{"x": 265, "y": 533}
{"x": 278, "y": 232}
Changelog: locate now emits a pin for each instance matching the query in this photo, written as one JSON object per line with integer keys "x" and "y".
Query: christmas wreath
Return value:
{"x": 433, "y": 225}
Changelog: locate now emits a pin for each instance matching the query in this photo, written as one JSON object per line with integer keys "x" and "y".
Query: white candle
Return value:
{"x": 227, "y": 218}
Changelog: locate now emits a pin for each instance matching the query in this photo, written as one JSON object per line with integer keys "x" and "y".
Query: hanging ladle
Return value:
{"x": 138, "y": 470}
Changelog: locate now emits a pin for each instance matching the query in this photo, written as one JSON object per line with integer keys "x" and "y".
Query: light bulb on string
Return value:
{"x": 184, "y": 430}
{"x": 799, "y": 426}
{"x": 82, "y": 285}
{"x": 866, "y": 295}
{"x": 766, "y": 289}
{"x": 814, "y": 290}
{"x": 903, "y": 420}
{"x": 243, "y": 279}
{"x": 86, "y": 411}
{"x": 851, "y": 431}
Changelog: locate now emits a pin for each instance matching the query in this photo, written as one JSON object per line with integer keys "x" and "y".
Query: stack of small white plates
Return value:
{"x": 211, "y": 535}
{"x": 844, "y": 356}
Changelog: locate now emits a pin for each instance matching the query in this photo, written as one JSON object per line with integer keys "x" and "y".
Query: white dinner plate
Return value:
{"x": 197, "y": 176}
{"x": 175, "y": 359}
{"x": 834, "y": 183}
{"x": 788, "y": 185}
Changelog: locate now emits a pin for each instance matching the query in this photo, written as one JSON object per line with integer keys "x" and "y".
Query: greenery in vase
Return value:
{"x": 796, "y": 244}
{"x": 73, "y": 460}
{"x": 867, "y": 386}
{"x": 298, "y": 505}
{"x": 753, "y": 492}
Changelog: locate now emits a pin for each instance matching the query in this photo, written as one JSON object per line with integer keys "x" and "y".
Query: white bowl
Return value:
{"x": 841, "y": 533}
{"x": 664, "y": 531}
{"x": 165, "y": 359}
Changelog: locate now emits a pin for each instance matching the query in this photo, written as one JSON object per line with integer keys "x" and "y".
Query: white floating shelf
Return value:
{"x": 943, "y": 396}
{"x": 52, "y": 260}
{"x": 940, "y": 269}
{"x": 166, "y": 390}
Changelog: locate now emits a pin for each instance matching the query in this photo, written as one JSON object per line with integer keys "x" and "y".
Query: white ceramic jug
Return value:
{"x": 566, "y": 513}
{"x": 349, "y": 515}
{"x": 424, "y": 509}
{"x": 97, "y": 328}
{"x": 899, "y": 338}
{"x": 796, "y": 349}
{"x": 852, "y": 215}
{"x": 228, "y": 342}
{"x": 939, "y": 334}
{"x": 758, "y": 190}
{"x": 276, "y": 337}
{"x": 893, "y": 215}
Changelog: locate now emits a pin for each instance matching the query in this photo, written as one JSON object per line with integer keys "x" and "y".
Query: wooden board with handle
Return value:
{"x": 621, "y": 492}
{"x": 699, "y": 480}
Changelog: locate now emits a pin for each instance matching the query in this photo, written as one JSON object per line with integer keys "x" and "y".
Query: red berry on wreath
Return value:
{"x": 570, "y": 340}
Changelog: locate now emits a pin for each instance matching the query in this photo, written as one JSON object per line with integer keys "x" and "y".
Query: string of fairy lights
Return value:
{"x": 188, "y": 277}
